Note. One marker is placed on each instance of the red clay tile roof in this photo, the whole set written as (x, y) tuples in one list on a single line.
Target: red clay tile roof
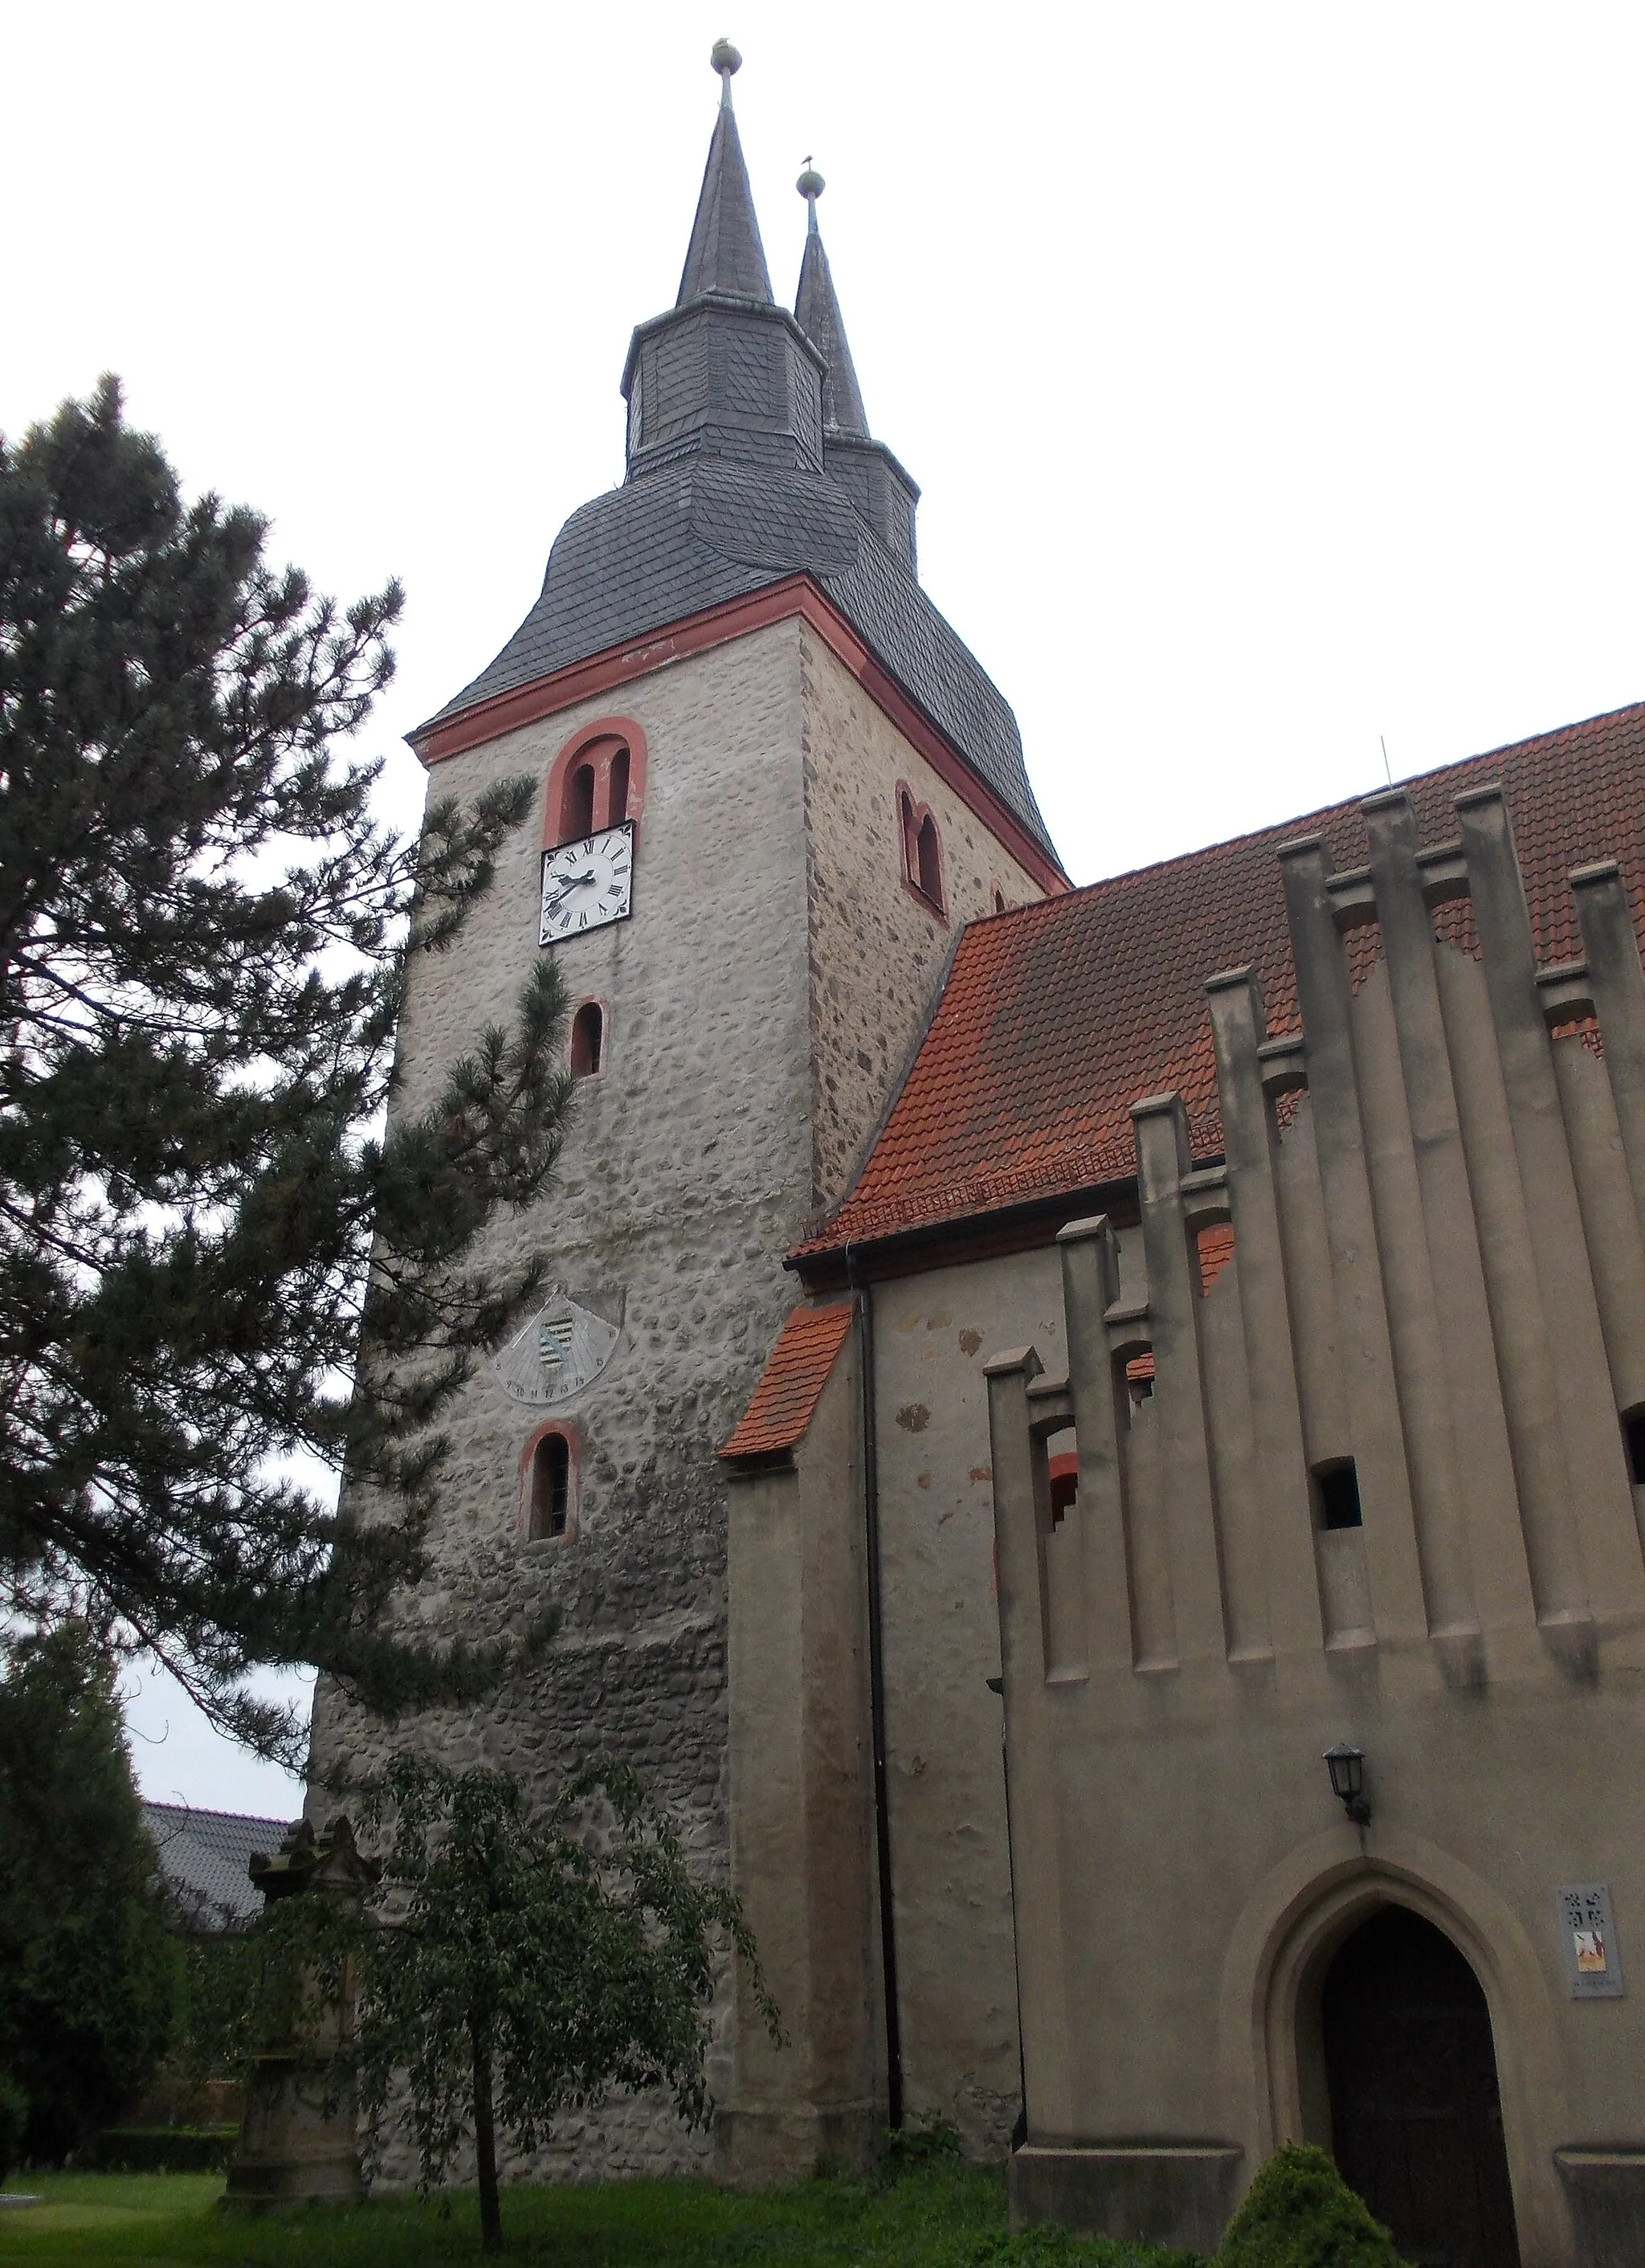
[(794, 1377), (1058, 1016), (1216, 1250)]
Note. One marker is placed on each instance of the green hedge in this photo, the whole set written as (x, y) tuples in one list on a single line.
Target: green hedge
[(1299, 2212), (162, 2149)]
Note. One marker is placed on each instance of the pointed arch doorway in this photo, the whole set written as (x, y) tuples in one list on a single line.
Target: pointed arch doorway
[(1411, 2069)]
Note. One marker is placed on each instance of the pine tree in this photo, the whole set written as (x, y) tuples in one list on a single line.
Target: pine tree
[(209, 1261), (89, 1970)]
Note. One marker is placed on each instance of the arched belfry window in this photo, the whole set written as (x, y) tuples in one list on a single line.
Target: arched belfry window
[(588, 1040), (922, 851), (576, 813), (597, 781), (550, 1480)]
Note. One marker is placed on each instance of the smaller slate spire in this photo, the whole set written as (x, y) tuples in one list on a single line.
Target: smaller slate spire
[(726, 255), (817, 311)]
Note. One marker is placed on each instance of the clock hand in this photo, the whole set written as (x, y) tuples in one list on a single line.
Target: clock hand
[(572, 882)]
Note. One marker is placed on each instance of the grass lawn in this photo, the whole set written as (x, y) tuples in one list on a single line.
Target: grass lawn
[(936, 2216)]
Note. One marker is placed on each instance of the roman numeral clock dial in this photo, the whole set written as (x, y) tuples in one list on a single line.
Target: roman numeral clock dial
[(587, 884)]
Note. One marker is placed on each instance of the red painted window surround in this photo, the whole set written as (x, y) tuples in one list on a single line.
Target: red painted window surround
[(556, 1429), (922, 852), (734, 618), (597, 779)]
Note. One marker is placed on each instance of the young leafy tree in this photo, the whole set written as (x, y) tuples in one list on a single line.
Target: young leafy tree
[(506, 1966), (523, 1966), (89, 1969), (210, 1257)]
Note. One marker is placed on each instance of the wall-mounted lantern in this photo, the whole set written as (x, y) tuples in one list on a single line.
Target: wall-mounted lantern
[(1347, 1768)]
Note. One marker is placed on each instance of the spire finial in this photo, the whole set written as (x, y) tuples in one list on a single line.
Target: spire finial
[(727, 61), (817, 311), (726, 256), (810, 185)]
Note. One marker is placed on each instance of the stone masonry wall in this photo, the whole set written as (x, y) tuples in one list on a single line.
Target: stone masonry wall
[(759, 1005), (876, 952), (685, 1177)]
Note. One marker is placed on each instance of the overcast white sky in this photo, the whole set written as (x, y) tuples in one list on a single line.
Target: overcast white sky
[(1272, 373)]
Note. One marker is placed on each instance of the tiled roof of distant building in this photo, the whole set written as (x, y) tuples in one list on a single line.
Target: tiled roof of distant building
[(1059, 1016), (204, 1856), (793, 1379)]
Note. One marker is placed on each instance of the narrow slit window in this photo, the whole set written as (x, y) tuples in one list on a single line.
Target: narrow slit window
[(588, 1040), (551, 1487), (1337, 1494), (999, 901), (928, 852), (617, 800), (1633, 1442), (577, 813)]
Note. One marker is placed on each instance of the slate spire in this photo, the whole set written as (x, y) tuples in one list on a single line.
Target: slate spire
[(725, 254), (817, 312)]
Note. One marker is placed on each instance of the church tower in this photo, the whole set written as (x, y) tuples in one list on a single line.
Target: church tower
[(773, 785)]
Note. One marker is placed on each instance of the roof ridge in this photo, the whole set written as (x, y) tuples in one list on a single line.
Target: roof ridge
[(205, 1811), (1286, 827), (1058, 1015)]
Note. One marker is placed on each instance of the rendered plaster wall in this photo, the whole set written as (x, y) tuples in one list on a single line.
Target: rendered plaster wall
[(950, 1870), (1183, 1873), (685, 1178), (876, 952), (802, 1805)]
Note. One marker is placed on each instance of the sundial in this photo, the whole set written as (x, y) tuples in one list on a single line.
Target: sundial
[(562, 1349)]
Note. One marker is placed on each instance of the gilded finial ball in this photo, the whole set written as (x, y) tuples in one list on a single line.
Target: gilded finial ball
[(811, 182), (725, 58)]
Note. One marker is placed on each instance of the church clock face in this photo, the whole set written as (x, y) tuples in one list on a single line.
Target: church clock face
[(588, 884)]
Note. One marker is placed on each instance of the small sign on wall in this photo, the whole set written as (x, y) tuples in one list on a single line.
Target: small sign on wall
[(1588, 1932)]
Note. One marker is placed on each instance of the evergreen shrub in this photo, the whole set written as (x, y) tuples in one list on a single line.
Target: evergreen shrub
[(89, 1969), (913, 2148), (13, 2121), (1299, 2212), (162, 2149)]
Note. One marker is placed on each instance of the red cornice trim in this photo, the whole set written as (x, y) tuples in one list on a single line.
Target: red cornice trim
[(584, 681)]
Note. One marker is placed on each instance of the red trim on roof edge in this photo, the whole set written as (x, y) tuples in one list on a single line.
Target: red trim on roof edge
[(582, 681)]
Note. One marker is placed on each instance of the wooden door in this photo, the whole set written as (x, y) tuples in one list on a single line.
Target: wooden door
[(1416, 2120)]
